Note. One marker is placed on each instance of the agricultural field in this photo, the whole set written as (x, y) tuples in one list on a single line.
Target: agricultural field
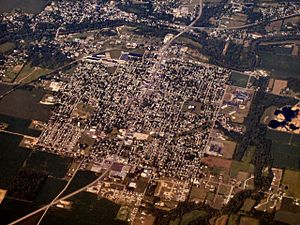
[(238, 166), (81, 179), (189, 217), (285, 149), (247, 158), (49, 190), (18, 125), (248, 205), (283, 137), (54, 165), (248, 221), (285, 156), (86, 209), (279, 62), (222, 220), (12, 157), (29, 73), (233, 219), (291, 179), (25, 103)]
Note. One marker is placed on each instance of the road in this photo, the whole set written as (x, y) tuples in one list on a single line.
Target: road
[(18, 134), (60, 193), (51, 73), (247, 25), (60, 199), (162, 52)]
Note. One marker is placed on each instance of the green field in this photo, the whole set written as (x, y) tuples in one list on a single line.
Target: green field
[(239, 79), (285, 149)]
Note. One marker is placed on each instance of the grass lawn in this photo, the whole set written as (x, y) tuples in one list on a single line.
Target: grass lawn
[(239, 79)]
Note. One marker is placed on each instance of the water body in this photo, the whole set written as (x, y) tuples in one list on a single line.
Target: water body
[(28, 6), (288, 114)]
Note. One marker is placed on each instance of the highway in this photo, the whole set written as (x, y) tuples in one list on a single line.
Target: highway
[(62, 191), (162, 52), (248, 25), (58, 200)]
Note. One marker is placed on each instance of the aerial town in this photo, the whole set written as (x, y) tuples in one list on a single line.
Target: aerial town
[(167, 112)]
